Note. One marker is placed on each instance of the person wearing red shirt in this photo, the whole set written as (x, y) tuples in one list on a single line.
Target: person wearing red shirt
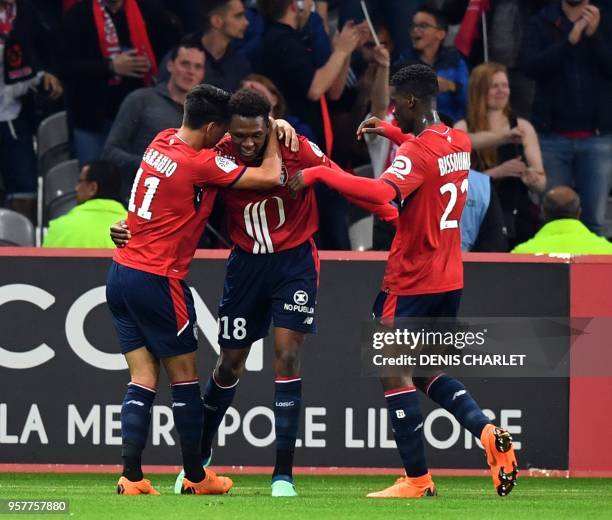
[(424, 276), (151, 306)]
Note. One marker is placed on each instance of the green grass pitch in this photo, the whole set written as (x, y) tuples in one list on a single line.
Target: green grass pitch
[(334, 497)]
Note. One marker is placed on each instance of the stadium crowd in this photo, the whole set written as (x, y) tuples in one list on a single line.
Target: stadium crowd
[(531, 85)]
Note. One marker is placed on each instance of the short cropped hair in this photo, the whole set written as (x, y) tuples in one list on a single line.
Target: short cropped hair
[(188, 42), (420, 81), (209, 9), (205, 104), (273, 9), (249, 103), (108, 178)]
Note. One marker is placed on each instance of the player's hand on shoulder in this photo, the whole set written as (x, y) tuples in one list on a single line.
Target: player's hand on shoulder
[(120, 233), (372, 125), (287, 135)]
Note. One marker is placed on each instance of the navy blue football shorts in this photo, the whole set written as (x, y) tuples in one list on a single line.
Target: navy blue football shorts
[(260, 288), (388, 307), (151, 311)]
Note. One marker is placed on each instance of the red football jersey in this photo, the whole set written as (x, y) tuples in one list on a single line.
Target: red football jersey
[(262, 222), (430, 175), (172, 197)]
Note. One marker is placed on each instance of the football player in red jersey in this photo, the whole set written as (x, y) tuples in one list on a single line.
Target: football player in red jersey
[(151, 306), (272, 276), (424, 274)]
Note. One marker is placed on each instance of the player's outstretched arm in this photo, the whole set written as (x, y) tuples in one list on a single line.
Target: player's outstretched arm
[(376, 191), (376, 126), (120, 233), (385, 212), (268, 175)]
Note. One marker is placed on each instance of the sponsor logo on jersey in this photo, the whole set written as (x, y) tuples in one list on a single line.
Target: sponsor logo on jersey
[(454, 162), (225, 164), (304, 309), (315, 149), (300, 297), (401, 167), (159, 162), (308, 320)]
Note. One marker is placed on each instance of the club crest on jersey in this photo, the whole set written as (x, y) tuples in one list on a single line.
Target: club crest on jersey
[(315, 149), (227, 165), (284, 176), (401, 167)]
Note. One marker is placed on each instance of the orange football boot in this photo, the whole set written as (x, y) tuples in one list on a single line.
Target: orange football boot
[(500, 457), (408, 487), (142, 487), (211, 485)]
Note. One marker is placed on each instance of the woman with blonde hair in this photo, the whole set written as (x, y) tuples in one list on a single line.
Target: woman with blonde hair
[(506, 148)]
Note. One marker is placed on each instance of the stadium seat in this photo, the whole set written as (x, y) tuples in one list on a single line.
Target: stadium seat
[(361, 234), (52, 142), (15, 229), (58, 194), (361, 228), (53, 148)]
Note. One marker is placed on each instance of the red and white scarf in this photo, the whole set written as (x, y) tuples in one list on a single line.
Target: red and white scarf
[(6, 21), (109, 41)]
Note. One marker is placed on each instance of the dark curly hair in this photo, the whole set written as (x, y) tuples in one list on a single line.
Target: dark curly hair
[(420, 81), (248, 103), (205, 104)]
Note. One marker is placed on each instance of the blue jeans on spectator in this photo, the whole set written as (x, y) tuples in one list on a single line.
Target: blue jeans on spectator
[(17, 158), (396, 13), (586, 165), (88, 145)]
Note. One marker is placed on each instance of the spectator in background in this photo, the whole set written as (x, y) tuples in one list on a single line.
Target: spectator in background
[(277, 101), (111, 47), (563, 231), (427, 33), (568, 52), (98, 207), (395, 13), (483, 229), (506, 148), (26, 63), (508, 21), (381, 150), (147, 111), (288, 62), (224, 22)]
